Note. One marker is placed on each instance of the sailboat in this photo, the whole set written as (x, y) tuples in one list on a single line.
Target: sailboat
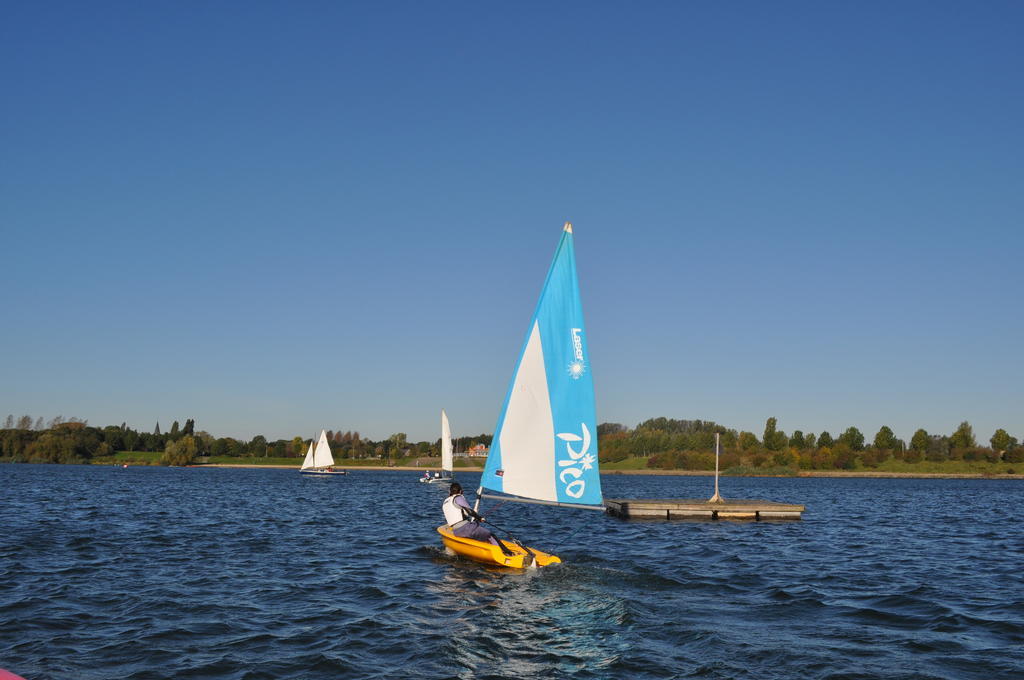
[(318, 460), (545, 444), (447, 461)]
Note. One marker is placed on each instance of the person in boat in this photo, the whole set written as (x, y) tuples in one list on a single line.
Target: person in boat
[(426, 474), (464, 520)]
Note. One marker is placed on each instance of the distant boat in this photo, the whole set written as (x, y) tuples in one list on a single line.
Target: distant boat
[(318, 460), (545, 444), (447, 461)]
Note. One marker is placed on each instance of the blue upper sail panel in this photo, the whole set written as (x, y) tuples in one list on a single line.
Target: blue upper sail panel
[(545, 443)]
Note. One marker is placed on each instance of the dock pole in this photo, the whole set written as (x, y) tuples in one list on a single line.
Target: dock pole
[(717, 498)]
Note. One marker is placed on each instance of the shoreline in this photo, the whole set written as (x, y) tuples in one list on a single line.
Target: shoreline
[(866, 474), (677, 473)]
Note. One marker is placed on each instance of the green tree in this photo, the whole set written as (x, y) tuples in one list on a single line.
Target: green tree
[(70, 442), (825, 439), (1014, 453), (609, 428), (845, 457), (853, 438), (774, 440), (204, 441), (298, 446), (810, 441), (113, 436), (182, 451), (963, 438), (50, 447), (175, 431), (748, 441), (1000, 440), (784, 458), (919, 442), (874, 456), (797, 441), (885, 439), (258, 445), (938, 448), (397, 444)]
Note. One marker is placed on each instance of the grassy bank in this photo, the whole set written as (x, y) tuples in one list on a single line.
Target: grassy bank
[(631, 465), (153, 458), (964, 467), (130, 457), (977, 468)]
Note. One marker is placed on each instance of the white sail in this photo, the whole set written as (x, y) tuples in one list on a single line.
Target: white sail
[(447, 463), (307, 462), (322, 454), (529, 430)]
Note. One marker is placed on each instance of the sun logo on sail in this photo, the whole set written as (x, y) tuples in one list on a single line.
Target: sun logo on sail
[(577, 462), (577, 367)]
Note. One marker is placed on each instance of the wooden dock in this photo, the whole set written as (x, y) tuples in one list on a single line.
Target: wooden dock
[(689, 508)]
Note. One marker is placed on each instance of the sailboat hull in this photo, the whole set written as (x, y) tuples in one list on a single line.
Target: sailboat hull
[(324, 473), (488, 553)]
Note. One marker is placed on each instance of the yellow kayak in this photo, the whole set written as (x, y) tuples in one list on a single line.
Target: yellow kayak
[(488, 553)]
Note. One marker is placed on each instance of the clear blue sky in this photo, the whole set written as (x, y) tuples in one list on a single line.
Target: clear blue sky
[(277, 217)]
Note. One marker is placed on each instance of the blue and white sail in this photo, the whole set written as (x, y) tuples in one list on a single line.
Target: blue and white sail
[(545, 443)]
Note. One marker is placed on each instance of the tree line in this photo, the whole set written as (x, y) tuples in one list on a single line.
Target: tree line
[(665, 443), (73, 440), (689, 444)]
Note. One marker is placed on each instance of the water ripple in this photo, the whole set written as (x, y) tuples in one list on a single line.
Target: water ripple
[(151, 573)]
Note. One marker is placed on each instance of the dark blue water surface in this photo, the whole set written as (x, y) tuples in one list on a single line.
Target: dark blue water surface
[(231, 573)]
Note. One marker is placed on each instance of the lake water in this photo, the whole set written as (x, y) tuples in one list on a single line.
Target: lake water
[(147, 573)]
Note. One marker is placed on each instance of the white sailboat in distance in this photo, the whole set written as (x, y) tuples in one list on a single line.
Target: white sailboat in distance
[(447, 459), (319, 460)]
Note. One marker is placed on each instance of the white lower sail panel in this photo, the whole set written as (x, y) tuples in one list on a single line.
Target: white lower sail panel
[(528, 433)]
